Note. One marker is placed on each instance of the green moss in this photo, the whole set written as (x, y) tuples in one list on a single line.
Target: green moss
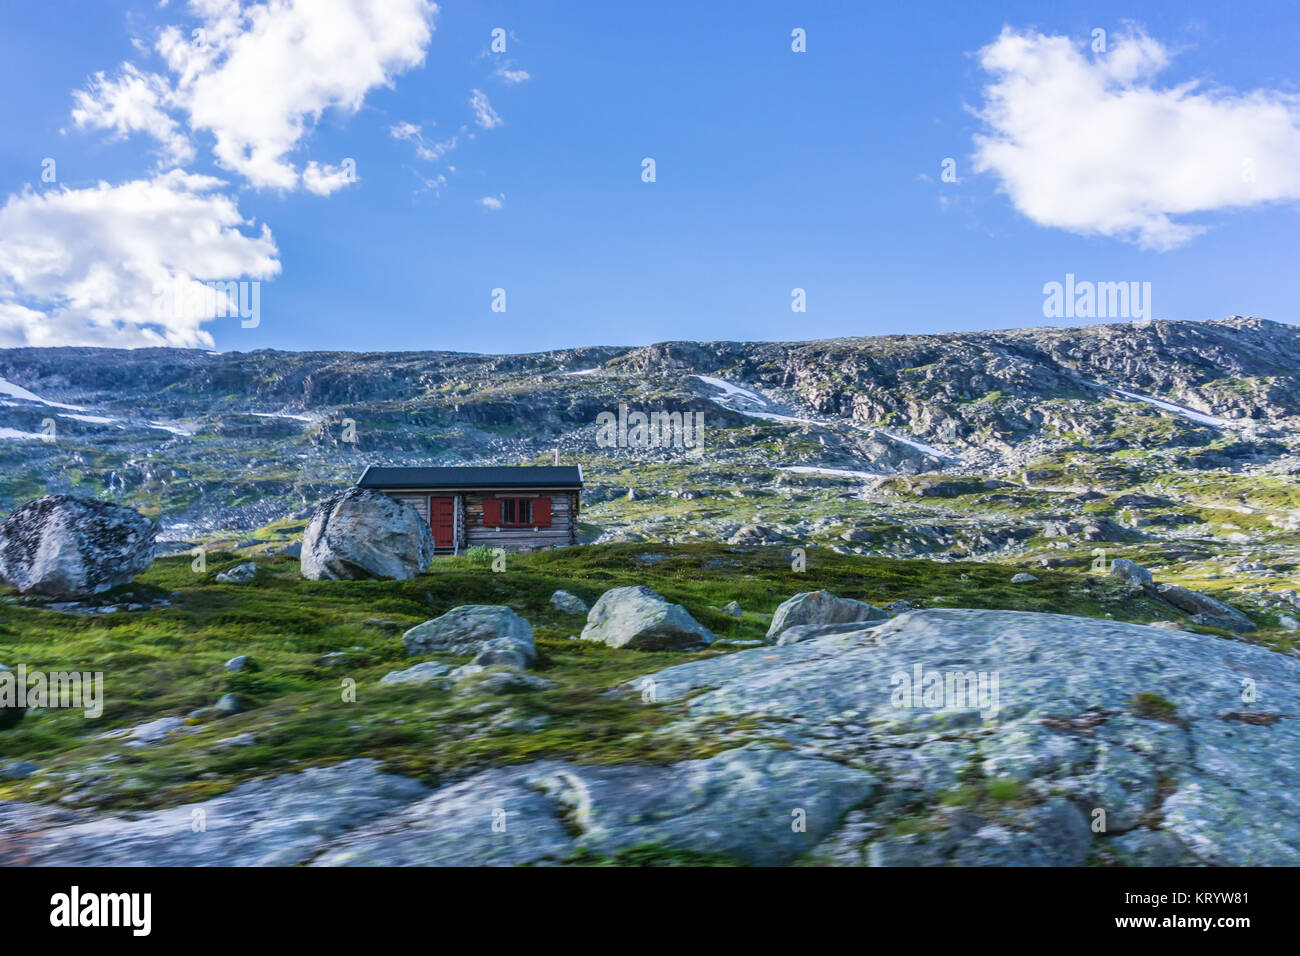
[(1003, 789), (1155, 707)]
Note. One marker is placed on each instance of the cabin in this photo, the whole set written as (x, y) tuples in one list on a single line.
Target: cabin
[(515, 507)]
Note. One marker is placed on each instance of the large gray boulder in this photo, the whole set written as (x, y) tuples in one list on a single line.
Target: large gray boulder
[(1130, 572), (62, 546), (425, 673), (295, 816), (360, 533), (239, 574), (750, 804), (495, 634), (640, 619), (568, 603), (806, 632), (1206, 610), (821, 607), (1204, 777)]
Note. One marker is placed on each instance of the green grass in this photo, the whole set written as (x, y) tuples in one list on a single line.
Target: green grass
[(169, 662)]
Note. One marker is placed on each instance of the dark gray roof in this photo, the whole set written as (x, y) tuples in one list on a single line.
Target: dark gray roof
[(491, 476)]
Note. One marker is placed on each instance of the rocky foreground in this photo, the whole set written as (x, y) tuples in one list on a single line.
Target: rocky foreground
[(1100, 742)]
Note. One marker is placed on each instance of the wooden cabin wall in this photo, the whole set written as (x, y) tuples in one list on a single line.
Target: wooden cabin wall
[(562, 532)]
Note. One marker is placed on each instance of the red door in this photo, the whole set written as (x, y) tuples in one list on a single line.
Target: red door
[(442, 520)]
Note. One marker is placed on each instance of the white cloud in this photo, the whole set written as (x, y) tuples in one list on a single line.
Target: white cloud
[(323, 180), (257, 76), (484, 114), (493, 202), (423, 148), (133, 102), (507, 75), (1088, 143), (87, 266)]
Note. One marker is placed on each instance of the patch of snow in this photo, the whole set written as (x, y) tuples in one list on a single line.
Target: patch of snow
[(92, 419), (584, 371), (296, 418), (788, 419), (920, 446), (733, 391), (174, 429), (13, 434), (17, 391), (833, 472), (1160, 403)]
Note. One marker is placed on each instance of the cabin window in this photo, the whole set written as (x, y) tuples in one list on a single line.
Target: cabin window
[(517, 511)]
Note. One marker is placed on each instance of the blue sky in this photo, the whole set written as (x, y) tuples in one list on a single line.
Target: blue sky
[(775, 169)]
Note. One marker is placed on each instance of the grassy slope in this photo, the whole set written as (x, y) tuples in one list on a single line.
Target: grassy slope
[(169, 662)]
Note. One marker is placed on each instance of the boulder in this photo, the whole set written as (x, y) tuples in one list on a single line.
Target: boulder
[(419, 674), (753, 534), (360, 533), (733, 608), (568, 603), (1206, 610), (821, 607), (738, 805), (1214, 782), (640, 619), (808, 632), (1022, 578), (294, 816), (500, 682), (504, 653), (1130, 572), (239, 574), (145, 734), (61, 546), (491, 631)]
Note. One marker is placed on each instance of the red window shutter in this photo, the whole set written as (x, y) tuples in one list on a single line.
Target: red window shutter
[(491, 511), (542, 512)]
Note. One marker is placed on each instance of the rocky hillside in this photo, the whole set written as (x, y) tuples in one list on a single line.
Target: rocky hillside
[(1022, 444)]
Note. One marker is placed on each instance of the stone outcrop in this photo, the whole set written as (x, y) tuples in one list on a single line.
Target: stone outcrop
[(62, 546), (1205, 609), (818, 608), (1142, 723), (493, 633), (360, 533), (639, 619)]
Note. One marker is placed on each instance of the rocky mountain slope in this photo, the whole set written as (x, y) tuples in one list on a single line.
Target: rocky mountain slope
[(991, 444)]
